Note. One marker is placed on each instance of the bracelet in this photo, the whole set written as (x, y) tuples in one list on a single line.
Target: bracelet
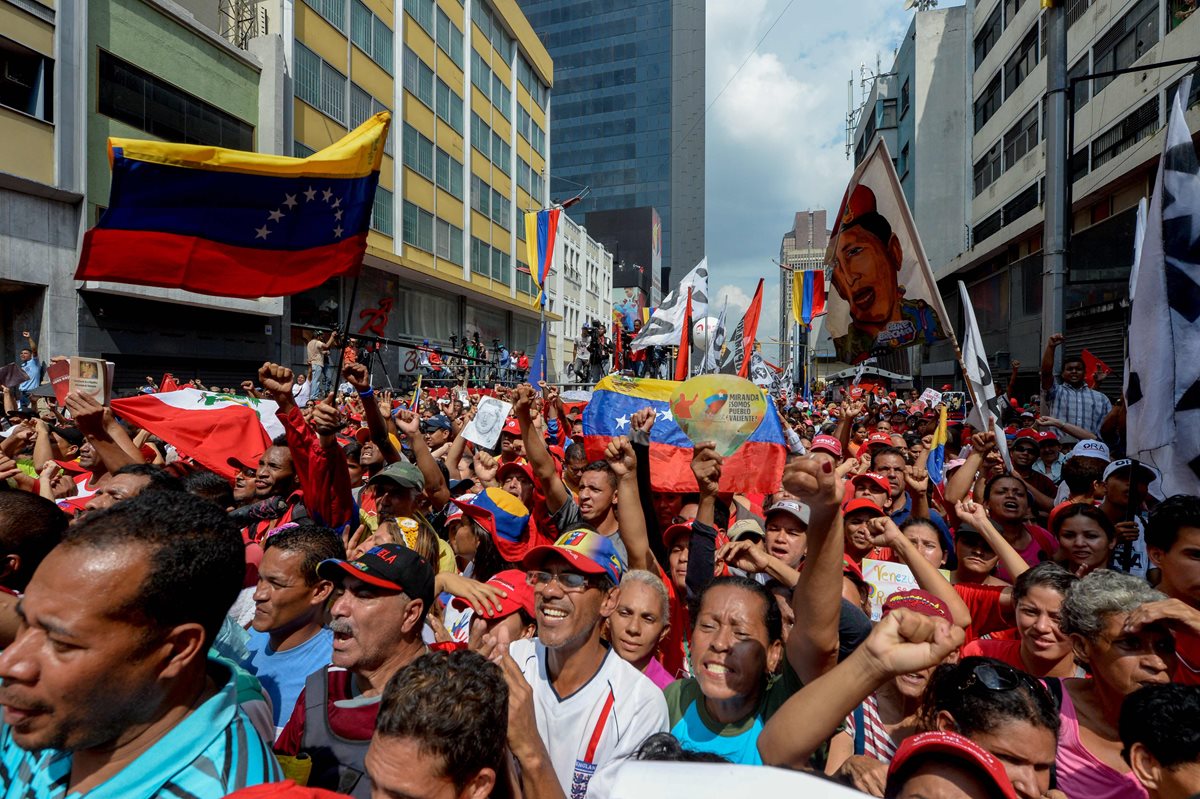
[(370, 392)]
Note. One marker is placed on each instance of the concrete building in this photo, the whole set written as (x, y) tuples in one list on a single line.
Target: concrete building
[(628, 112), (1119, 125), (579, 292), (802, 249)]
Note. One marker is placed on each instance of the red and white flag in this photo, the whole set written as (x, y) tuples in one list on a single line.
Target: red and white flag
[(207, 427)]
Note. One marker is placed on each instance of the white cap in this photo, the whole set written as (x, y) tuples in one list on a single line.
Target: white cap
[(1090, 448), (1148, 471)]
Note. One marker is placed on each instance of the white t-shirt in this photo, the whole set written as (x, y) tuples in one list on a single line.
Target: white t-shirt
[(301, 392), (591, 732)]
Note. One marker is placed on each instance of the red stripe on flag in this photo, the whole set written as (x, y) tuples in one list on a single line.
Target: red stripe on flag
[(168, 260), (756, 468)]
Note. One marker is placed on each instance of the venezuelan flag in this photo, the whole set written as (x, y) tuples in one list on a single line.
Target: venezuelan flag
[(232, 223), (756, 468), (808, 295), (540, 229), (936, 465)]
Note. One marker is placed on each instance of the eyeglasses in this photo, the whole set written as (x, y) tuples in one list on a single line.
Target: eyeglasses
[(1000, 677), (568, 581)]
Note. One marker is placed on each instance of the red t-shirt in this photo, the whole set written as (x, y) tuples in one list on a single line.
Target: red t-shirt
[(1007, 651), (984, 603), (1187, 656), (355, 723)]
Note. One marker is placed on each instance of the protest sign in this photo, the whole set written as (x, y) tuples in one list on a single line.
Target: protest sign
[(484, 428)]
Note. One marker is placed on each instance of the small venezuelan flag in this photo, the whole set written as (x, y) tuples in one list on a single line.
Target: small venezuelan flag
[(540, 229), (233, 223), (756, 467), (936, 465)]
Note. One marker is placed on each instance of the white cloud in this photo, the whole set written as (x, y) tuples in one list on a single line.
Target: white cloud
[(738, 301)]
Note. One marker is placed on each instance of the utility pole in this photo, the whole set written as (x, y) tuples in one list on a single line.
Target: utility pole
[(1058, 212)]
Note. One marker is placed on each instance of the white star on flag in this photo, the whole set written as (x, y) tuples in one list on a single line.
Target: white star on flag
[(325, 195), (337, 203), (275, 215), (337, 232), (262, 232), (310, 194), (337, 215), (622, 421), (290, 201), (665, 415)]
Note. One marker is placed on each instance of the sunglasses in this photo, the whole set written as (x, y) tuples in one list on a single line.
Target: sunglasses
[(568, 581), (1000, 677)]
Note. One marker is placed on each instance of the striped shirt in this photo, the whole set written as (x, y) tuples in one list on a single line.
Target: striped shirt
[(877, 741), (1083, 407), (211, 753)]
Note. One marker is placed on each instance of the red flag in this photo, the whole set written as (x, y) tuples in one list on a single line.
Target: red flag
[(1092, 365), (618, 356), (168, 383), (750, 329), (683, 361)]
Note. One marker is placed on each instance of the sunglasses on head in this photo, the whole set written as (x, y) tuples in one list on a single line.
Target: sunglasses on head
[(1000, 677)]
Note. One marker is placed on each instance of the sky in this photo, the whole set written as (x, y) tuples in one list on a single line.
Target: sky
[(775, 137)]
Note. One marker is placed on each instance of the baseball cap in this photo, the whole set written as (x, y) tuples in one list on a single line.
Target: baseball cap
[(746, 528), (920, 601), (1148, 472), (797, 510), (504, 517), (363, 434), (1048, 435), (453, 511), (71, 435), (879, 438), (675, 530), (507, 469), (438, 422), (871, 477), (511, 426), (1090, 448), (584, 549), (862, 503), (1029, 432), (402, 474), (511, 582), (853, 571), (391, 566), (945, 746), (824, 443)]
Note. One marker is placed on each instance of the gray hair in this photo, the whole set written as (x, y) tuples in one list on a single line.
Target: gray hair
[(1100, 594), (653, 582)]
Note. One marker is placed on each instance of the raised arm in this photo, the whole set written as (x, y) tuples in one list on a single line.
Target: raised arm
[(640, 426), (812, 646), (536, 451), (33, 350), (706, 466), (435, 484), (958, 487), (903, 642), (1078, 432), (96, 422), (631, 523), (359, 379), (975, 514), (1046, 372)]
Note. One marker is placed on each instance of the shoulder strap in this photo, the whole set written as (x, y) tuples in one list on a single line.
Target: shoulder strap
[(860, 731)]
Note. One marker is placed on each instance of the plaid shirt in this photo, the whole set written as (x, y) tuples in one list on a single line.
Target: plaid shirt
[(1083, 407)]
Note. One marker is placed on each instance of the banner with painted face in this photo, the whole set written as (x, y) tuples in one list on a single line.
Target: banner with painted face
[(885, 296)]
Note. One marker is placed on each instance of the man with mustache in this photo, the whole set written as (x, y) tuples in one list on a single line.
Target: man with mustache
[(376, 623)]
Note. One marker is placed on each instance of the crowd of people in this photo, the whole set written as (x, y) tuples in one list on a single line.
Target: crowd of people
[(379, 607)]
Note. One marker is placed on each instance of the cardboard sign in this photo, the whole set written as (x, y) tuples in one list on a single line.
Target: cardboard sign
[(885, 579), (484, 428), (723, 409), (928, 399), (92, 376)]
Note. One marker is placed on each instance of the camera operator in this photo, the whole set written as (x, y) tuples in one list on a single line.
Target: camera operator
[(598, 352)]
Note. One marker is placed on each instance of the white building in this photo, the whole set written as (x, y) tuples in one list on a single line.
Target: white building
[(580, 291)]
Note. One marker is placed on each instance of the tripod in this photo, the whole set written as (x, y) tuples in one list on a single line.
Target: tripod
[(372, 357)]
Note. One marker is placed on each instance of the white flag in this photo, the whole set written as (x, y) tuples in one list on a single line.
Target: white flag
[(1162, 389), (666, 323), (988, 406)]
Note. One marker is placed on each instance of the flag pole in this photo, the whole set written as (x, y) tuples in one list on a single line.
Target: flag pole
[(346, 329)]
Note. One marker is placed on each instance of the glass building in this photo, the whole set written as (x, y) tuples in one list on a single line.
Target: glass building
[(629, 111)]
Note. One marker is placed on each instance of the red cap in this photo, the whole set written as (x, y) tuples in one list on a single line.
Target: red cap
[(514, 466), (920, 601), (948, 745), (676, 530), (287, 789), (860, 504), (947, 387), (872, 477), (1029, 432), (853, 571), (879, 438), (513, 583), (1048, 435), (511, 426), (824, 443)]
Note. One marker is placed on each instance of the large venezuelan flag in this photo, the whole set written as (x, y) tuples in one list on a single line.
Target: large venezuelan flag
[(233, 223), (808, 295), (756, 468), (540, 229)]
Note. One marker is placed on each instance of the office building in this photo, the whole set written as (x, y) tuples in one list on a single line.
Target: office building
[(628, 112), (580, 291), (802, 249)]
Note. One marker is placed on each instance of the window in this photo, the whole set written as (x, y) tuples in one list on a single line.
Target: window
[(449, 173), (902, 165), (481, 74), (985, 40), (1079, 164), (501, 96), (422, 12), (1021, 63), (140, 99), (1011, 9), (333, 93), (1022, 204), (449, 106), (501, 153), (449, 38), (481, 257), (481, 196), (481, 135), (987, 169), (987, 103), (362, 107), (418, 152), (418, 77), (523, 172), (381, 211), (1126, 41), (371, 35), (301, 150), (418, 227), (887, 114), (332, 11), (500, 265), (1021, 138), (448, 241), (904, 98), (989, 226), (27, 80), (1083, 89), (1075, 9), (1137, 125), (381, 52)]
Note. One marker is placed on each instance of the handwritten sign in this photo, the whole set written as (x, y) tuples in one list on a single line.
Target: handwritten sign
[(885, 579)]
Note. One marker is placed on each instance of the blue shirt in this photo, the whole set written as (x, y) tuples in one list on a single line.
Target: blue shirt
[(211, 753), (33, 368), (282, 674)]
